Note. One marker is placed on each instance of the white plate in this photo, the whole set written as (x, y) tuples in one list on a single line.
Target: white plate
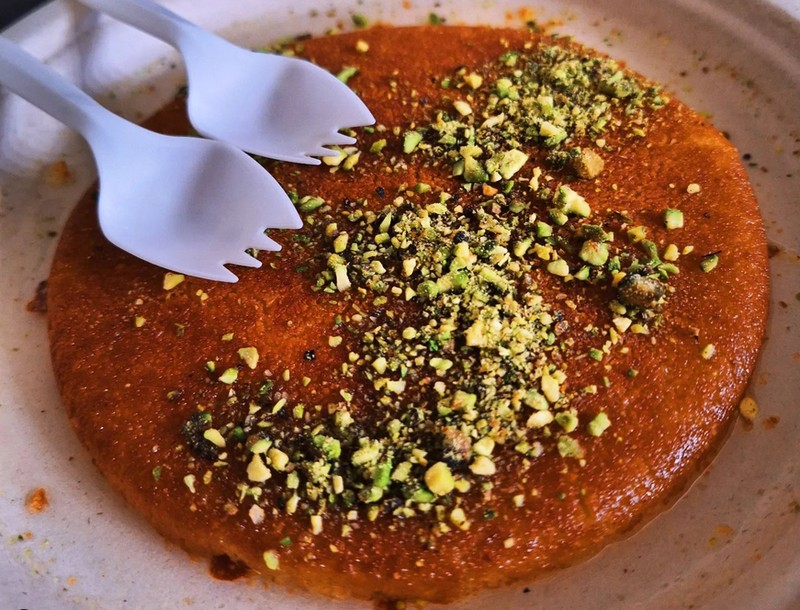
[(731, 542)]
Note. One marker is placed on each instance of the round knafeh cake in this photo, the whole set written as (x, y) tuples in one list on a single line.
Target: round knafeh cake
[(517, 321)]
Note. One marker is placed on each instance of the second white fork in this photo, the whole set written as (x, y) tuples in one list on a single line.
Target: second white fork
[(278, 107)]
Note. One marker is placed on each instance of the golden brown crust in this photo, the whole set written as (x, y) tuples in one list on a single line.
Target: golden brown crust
[(115, 378)]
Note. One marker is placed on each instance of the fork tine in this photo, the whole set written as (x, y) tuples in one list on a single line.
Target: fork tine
[(336, 138), (243, 259), (349, 108), (263, 242), (219, 274), (305, 159), (321, 151)]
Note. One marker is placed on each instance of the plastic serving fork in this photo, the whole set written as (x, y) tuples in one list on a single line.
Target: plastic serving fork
[(187, 204), (278, 107)]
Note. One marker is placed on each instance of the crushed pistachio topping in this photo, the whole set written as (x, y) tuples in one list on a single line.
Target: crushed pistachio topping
[(470, 331), (551, 98), (453, 339)]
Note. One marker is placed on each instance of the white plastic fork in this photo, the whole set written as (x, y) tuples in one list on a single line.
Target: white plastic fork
[(278, 107), (186, 204)]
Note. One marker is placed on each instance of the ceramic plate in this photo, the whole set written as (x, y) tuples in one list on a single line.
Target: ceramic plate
[(732, 541)]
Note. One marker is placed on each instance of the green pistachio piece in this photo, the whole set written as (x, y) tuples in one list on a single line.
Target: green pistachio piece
[(411, 140), (673, 219), (594, 252)]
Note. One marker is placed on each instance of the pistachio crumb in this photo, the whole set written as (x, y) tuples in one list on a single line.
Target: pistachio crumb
[(748, 408), (346, 73), (439, 479), (229, 376), (473, 80), (256, 514), (459, 518), (171, 280), (709, 262), (213, 436), (599, 424), (257, 471), (673, 219), (708, 351), (411, 140), (378, 145), (359, 20), (271, 560), (249, 355), (462, 107), (671, 253), (588, 164), (483, 466), (278, 459), (189, 480)]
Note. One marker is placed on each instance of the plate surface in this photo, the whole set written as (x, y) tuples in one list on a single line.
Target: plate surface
[(732, 541)]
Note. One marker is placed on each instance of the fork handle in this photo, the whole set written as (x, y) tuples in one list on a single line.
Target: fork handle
[(147, 16), (49, 91)]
